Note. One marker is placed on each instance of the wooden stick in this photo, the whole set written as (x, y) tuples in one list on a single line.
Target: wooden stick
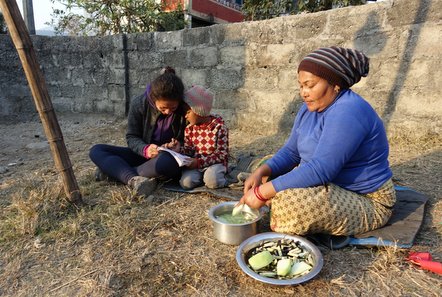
[(37, 84)]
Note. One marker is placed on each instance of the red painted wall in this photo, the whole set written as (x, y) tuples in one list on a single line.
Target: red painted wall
[(217, 10), (207, 7)]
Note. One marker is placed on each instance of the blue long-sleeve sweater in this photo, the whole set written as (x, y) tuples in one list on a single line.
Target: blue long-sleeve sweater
[(345, 144)]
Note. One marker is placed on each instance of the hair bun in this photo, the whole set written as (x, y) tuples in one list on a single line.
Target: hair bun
[(167, 69)]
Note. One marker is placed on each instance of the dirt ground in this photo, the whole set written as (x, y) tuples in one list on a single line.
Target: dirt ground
[(118, 246)]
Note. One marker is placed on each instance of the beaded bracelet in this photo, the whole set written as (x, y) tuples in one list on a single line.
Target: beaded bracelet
[(259, 195)]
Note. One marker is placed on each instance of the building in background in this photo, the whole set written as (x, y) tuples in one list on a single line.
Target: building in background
[(200, 13)]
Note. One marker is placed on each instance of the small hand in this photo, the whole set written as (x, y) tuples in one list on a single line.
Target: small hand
[(193, 164)]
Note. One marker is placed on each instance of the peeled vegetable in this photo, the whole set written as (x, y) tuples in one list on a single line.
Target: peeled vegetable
[(299, 268), (237, 209), (283, 267), (245, 210), (260, 260)]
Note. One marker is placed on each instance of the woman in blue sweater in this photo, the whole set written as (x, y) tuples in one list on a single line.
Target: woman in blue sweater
[(332, 176)]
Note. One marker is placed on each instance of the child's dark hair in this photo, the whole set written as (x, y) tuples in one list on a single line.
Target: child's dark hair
[(167, 86)]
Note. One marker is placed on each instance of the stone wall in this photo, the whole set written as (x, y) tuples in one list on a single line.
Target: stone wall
[(250, 66)]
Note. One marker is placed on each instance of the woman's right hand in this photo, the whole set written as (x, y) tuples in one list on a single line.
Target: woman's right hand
[(152, 151), (257, 178), (173, 145), (252, 181)]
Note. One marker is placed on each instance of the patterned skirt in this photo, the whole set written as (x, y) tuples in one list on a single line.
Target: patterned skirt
[(331, 210)]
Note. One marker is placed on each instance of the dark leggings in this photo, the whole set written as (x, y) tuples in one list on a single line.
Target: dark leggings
[(121, 163)]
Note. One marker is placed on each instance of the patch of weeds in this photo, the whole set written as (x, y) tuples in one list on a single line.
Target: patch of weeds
[(35, 209)]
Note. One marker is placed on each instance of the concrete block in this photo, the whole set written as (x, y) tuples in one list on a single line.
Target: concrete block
[(196, 37), (228, 116), (204, 57), (94, 92), (429, 41), (266, 32), (418, 104), (79, 77), (6, 44), (140, 41), (288, 79), (233, 99), (142, 60), (143, 77), (70, 91), (113, 42), (407, 12), (84, 107), (93, 59), (116, 92), (232, 55), (261, 78), (169, 40), (63, 104), (114, 59), (176, 59), (103, 106), (119, 109), (226, 79), (303, 27), (116, 76), (235, 34), (194, 77), (270, 55)]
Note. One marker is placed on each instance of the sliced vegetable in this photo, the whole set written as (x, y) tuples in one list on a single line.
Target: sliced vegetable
[(260, 260), (299, 268), (283, 267)]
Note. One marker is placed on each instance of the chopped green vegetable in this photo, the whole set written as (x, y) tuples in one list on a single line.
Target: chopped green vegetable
[(283, 267), (299, 268), (260, 260)]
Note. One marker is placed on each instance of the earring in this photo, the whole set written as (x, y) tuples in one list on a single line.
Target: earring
[(337, 89)]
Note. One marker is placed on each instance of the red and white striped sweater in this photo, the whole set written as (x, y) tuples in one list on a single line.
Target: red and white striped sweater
[(208, 143)]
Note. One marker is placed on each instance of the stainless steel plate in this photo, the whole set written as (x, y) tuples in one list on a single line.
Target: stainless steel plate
[(256, 240)]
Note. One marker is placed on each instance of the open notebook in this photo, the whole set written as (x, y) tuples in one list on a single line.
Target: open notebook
[(182, 160)]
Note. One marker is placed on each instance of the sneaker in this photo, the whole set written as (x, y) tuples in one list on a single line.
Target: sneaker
[(100, 175), (143, 186), (242, 176)]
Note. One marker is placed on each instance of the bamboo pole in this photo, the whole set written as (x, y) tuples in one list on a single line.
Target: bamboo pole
[(23, 44)]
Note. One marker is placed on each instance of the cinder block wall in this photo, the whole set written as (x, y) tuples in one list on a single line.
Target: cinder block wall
[(250, 66)]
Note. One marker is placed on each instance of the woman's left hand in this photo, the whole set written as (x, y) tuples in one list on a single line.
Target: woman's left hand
[(265, 191), (250, 199)]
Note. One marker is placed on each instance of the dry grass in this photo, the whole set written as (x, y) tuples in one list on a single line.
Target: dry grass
[(118, 246)]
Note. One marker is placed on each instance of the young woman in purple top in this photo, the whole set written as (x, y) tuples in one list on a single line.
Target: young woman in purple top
[(332, 176), (155, 118)]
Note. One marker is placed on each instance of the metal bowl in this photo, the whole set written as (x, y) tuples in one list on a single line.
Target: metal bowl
[(232, 234), (256, 240)]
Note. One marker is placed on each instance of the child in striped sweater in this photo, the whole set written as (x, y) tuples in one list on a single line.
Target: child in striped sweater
[(205, 140)]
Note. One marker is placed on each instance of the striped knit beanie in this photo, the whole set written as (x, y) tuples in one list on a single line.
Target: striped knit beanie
[(199, 99), (339, 66)]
